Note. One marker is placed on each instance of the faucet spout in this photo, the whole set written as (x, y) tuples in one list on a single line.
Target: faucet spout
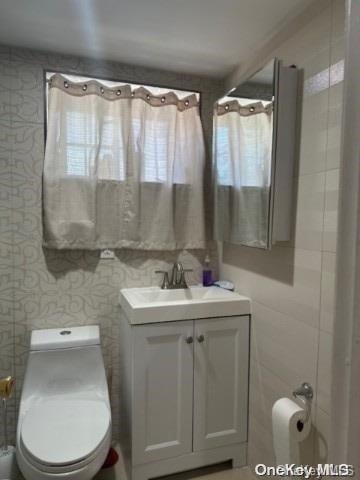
[(177, 279), (177, 274)]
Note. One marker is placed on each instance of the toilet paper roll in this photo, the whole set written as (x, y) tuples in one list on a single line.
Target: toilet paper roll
[(289, 429)]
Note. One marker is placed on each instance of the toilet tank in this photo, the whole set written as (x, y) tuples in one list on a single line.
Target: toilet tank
[(65, 363), (60, 338)]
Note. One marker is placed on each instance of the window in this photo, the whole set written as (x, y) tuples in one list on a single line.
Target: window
[(153, 149), (123, 166), (224, 174), (89, 145), (241, 146)]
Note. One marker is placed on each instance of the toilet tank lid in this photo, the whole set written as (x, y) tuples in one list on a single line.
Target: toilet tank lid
[(56, 338)]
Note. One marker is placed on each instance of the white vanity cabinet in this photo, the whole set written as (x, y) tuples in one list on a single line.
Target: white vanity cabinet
[(185, 387), (162, 391), (221, 370)]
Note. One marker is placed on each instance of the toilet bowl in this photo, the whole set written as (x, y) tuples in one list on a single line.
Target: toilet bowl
[(64, 426)]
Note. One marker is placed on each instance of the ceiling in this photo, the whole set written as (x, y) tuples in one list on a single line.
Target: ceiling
[(205, 37)]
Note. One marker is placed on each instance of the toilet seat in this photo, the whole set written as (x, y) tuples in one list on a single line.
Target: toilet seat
[(61, 435)]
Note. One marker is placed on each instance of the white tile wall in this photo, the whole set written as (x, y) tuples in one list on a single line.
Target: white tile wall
[(278, 344), (327, 292), (331, 208), (310, 210), (324, 371), (292, 287)]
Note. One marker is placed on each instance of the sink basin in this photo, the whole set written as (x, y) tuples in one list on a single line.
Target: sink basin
[(151, 304)]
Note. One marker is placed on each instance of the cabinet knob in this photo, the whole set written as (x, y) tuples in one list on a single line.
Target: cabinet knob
[(189, 339), (200, 338)]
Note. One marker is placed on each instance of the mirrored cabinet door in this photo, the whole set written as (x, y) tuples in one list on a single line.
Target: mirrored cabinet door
[(246, 138)]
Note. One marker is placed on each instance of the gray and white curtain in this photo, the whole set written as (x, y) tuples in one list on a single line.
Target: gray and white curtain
[(242, 148), (123, 168)]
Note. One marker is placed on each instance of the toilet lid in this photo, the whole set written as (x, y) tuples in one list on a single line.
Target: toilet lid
[(66, 432)]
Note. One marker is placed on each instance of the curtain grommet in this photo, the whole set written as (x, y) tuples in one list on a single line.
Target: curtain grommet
[(84, 88), (187, 103), (226, 107), (66, 84), (163, 99), (252, 109), (102, 90), (118, 93), (147, 97)]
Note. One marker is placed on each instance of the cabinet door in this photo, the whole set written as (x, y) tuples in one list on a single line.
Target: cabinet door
[(221, 381), (163, 360)]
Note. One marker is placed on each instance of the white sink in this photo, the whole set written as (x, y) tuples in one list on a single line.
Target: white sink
[(151, 304)]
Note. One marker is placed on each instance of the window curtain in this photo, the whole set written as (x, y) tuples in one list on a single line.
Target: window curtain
[(123, 168), (243, 147)]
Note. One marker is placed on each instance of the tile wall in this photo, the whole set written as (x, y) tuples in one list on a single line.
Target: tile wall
[(292, 286), (42, 288)]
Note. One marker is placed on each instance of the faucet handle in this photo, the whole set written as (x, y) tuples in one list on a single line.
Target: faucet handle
[(165, 283), (182, 282)]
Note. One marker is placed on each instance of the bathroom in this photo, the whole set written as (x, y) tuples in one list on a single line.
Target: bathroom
[(295, 294)]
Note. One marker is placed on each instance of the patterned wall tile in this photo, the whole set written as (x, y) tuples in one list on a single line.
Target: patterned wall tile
[(27, 92), (49, 288), (6, 339), (7, 356), (11, 422), (4, 52), (41, 58), (28, 153), (5, 82), (5, 159)]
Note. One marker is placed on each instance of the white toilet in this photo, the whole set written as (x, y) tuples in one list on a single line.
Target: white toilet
[(64, 426)]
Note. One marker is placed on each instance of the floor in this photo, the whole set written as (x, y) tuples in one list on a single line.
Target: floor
[(228, 474), (217, 472)]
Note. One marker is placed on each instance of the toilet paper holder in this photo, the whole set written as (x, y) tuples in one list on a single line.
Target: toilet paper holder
[(305, 390)]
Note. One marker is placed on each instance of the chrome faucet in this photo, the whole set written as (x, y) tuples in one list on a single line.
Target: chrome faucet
[(178, 276), (177, 280)]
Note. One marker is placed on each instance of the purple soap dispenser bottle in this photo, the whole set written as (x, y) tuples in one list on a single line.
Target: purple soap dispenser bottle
[(207, 273)]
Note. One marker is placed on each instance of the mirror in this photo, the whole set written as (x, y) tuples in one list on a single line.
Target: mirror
[(246, 147), (243, 144)]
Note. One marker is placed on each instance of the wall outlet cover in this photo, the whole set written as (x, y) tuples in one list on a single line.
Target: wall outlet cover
[(107, 254)]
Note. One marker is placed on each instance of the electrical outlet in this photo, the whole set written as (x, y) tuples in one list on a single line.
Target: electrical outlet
[(107, 254)]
